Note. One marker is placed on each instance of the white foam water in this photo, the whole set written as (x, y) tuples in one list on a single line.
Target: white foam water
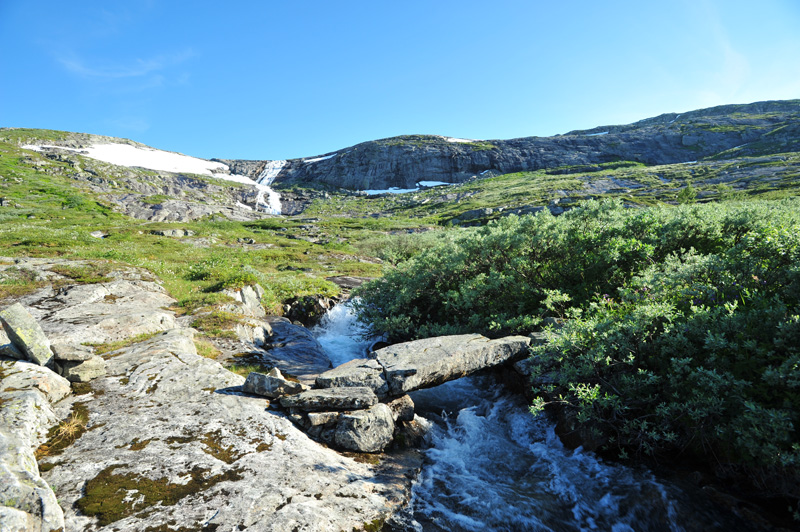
[(341, 335), (272, 203)]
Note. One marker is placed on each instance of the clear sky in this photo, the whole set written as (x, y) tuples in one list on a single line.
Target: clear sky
[(277, 79)]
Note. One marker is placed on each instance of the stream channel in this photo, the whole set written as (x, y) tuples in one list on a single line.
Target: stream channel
[(492, 466)]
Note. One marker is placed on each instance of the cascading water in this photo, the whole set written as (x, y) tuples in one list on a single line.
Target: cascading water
[(272, 204), (492, 466)]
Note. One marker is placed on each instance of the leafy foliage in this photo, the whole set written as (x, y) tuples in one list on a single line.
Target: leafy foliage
[(684, 329)]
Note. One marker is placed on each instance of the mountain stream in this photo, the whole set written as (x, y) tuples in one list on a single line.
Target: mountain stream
[(492, 466)]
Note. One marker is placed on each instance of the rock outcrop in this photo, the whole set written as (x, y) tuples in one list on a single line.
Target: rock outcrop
[(670, 138), (27, 394), (170, 438)]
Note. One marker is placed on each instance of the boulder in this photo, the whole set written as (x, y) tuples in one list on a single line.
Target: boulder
[(424, 363), (249, 299), (331, 399), (402, 408), (316, 419), (271, 384), (84, 371), (358, 372), (71, 352), (25, 333), (365, 431)]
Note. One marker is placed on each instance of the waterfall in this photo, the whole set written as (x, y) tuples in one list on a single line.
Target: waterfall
[(272, 204)]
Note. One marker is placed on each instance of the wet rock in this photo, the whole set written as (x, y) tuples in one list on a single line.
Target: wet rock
[(365, 431), (308, 310), (25, 333), (431, 361), (331, 399), (84, 371), (271, 384), (294, 350), (357, 372), (412, 434)]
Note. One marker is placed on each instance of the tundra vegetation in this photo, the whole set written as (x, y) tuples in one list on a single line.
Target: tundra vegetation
[(678, 285)]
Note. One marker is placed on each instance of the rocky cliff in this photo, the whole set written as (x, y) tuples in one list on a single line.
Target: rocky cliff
[(752, 129)]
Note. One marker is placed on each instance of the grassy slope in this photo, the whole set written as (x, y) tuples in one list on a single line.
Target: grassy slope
[(53, 214)]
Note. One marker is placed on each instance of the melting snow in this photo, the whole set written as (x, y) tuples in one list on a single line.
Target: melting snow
[(452, 139), (152, 159), (432, 183), (315, 159), (392, 190), (596, 134)]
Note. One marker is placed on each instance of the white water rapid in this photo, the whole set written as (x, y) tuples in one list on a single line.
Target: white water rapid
[(492, 466), (272, 204)]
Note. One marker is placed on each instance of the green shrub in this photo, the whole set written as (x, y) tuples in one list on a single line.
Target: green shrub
[(684, 329)]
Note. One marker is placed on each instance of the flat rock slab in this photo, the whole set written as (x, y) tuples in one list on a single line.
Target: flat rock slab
[(171, 440), (271, 384), (351, 398), (432, 361), (358, 372)]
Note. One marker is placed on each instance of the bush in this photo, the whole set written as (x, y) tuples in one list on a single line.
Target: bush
[(685, 322)]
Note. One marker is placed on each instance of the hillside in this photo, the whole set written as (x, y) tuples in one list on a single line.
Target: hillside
[(82, 227), (724, 132)]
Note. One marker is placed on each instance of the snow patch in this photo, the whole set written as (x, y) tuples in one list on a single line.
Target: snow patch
[(432, 183), (153, 159), (453, 139), (392, 190), (316, 159), (596, 134)]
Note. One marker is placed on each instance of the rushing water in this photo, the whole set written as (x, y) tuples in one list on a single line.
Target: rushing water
[(492, 466)]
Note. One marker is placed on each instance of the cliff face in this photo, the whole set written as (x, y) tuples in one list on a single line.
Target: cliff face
[(752, 129)]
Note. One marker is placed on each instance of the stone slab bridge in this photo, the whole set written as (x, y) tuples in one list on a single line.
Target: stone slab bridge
[(363, 405)]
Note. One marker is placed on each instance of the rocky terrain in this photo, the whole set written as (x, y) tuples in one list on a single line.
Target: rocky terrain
[(162, 438), (741, 130)]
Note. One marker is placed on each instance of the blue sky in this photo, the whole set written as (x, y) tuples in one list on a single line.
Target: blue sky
[(280, 79)]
